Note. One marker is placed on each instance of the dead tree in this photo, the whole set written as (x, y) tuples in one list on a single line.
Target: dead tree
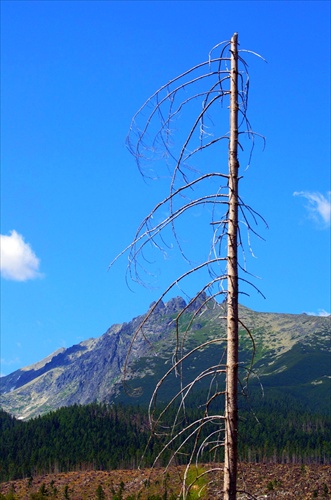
[(231, 396), (201, 92)]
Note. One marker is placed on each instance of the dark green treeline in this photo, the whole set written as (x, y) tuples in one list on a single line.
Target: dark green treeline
[(100, 436)]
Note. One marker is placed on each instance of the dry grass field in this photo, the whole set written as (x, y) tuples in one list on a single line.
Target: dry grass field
[(262, 481)]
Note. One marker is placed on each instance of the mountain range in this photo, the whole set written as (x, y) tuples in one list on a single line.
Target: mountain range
[(291, 359)]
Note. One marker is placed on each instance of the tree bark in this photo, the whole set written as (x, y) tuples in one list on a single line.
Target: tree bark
[(231, 390)]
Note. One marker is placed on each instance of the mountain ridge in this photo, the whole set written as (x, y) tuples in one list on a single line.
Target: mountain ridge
[(93, 370)]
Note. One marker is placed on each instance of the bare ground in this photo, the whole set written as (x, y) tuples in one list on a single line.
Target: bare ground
[(262, 481)]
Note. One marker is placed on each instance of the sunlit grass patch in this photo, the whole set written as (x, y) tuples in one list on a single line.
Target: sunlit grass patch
[(196, 482)]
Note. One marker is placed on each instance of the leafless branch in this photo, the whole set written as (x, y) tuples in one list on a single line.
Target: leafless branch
[(195, 99)]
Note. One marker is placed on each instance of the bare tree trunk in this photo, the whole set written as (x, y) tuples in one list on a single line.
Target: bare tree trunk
[(198, 92), (231, 391)]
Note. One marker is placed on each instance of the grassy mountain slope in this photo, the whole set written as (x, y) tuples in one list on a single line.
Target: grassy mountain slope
[(291, 356)]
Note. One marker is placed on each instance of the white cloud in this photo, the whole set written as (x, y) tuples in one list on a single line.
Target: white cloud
[(321, 312), (319, 206), (18, 261)]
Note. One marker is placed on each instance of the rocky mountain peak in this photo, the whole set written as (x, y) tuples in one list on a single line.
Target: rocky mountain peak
[(176, 305), (94, 369)]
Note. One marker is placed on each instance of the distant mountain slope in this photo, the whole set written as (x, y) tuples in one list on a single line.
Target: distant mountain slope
[(292, 353)]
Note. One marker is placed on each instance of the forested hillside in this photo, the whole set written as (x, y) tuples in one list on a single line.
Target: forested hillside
[(99, 436)]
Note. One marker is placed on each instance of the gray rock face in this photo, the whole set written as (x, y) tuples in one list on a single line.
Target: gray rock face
[(86, 372), (143, 350)]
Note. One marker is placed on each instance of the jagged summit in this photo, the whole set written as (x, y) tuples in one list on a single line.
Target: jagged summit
[(292, 351), (178, 304)]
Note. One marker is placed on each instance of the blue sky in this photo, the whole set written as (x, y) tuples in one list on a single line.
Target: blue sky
[(73, 75)]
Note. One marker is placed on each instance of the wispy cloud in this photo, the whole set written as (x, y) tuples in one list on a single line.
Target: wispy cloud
[(318, 206), (18, 260), (321, 312)]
